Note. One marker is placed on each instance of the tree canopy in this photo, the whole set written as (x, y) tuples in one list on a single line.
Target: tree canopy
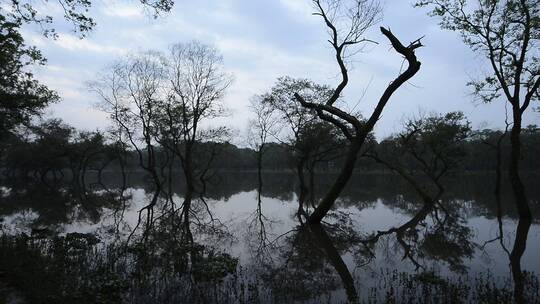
[(21, 95)]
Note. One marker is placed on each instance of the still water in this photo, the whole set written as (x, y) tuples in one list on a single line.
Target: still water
[(245, 244)]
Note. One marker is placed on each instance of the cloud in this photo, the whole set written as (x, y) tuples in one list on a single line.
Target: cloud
[(261, 41), (122, 10), (73, 43), (300, 9)]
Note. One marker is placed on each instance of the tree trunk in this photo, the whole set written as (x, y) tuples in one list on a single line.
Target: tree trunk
[(311, 171), (515, 155), (123, 171), (498, 169), (340, 183), (515, 258), (190, 189), (303, 189), (75, 181), (259, 165)]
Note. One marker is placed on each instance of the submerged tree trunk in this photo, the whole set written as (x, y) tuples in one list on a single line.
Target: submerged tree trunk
[(515, 155), (302, 185), (498, 168), (121, 162), (83, 173), (190, 189), (259, 165), (75, 179)]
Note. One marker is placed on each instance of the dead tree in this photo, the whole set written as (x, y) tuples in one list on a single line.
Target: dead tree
[(361, 16)]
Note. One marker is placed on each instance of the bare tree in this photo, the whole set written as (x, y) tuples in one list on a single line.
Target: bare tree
[(158, 100), (260, 129), (130, 92), (346, 26), (508, 34), (195, 88)]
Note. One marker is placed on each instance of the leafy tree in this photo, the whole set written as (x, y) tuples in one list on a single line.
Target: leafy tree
[(319, 143), (432, 146), (43, 152), (310, 139), (21, 96)]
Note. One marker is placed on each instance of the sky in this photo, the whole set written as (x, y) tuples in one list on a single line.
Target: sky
[(261, 40)]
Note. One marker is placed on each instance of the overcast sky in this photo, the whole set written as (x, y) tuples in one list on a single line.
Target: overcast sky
[(264, 39)]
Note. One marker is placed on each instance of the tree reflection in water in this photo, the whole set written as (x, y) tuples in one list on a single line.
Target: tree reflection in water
[(307, 264), (518, 249), (515, 259), (432, 233)]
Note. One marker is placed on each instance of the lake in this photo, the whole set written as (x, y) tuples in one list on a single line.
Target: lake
[(241, 242)]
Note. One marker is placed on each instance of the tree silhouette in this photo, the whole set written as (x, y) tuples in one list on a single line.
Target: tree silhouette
[(359, 16)]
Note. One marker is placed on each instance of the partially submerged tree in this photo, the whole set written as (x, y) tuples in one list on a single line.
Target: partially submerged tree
[(357, 17), (424, 153), (160, 103), (196, 85), (507, 33), (49, 151), (260, 129), (130, 92), (86, 148), (52, 148)]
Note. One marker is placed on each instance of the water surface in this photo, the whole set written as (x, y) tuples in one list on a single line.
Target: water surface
[(380, 243)]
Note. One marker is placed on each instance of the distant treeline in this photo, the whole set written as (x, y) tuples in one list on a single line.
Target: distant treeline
[(480, 154), (52, 149)]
